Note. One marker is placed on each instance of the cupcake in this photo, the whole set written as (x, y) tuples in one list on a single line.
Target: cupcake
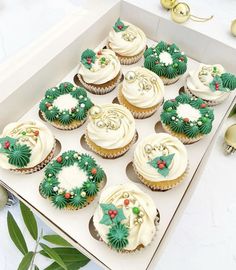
[(65, 107), (167, 61), (160, 161), (210, 83), (111, 130), (26, 146), (141, 92), (126, 218), (188, 118), (72, 180), (99, 71), (127, 41)]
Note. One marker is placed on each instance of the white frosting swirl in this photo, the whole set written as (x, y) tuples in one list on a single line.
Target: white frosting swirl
[(114, 128), (198, 83), (139, 234), (99, 74), (163, 144), (124, 47), (41, 145), (147, 90)]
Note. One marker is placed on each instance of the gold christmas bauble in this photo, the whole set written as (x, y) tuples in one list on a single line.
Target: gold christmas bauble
[(95, 112), (233, 27), (180, 13), (168, 4)]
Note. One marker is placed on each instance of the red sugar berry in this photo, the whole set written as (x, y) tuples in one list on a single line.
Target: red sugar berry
[(48, 105), (93, 171), (186, 119), (110, 212), (120, 27), (99, 52), (203, 105), (112, 215), (126, 202), (114, 212), (67, 195), (159, 161), (164, 163), (59, 159), (161, 166), (36, 132), (6, 144)]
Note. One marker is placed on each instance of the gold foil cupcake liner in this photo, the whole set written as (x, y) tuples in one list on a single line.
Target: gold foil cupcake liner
[(137, 113), (128, 60), (105, 88), (181, 136), (73, 125), (139, 247), (38, 167), (167, 81), (210, 103), (161, 185), (109, 153)]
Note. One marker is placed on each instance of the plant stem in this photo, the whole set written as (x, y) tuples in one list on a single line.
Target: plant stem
[(35, 249)]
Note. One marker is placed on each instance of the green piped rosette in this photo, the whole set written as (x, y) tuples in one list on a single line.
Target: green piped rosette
[(18, 154), (65, 118), (77, 197), (182, 127), (175, 64)]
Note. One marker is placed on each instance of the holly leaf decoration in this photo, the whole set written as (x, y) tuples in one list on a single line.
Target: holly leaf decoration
[(88, 57), (217, 84), (119, 26), (107, 219), (162, 164), (6, 143)]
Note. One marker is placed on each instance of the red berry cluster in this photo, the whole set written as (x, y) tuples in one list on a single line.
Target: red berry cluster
[(217, 86), (112, 213), (120, 27), (7, 144), (161, 164), (89, 60)]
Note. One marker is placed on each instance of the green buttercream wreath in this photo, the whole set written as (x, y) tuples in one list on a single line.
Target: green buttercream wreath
[(191, 129), (18, 154), (178, 64), (65, 117), (118, 233), (78, 196)]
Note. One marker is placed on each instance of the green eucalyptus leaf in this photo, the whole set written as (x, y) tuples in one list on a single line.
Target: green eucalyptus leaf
[(25, 263), (56, 240), (53, 255), (16, 234), (36, 267), (233, 111), (70, 266), (29, 220), (68, 255)]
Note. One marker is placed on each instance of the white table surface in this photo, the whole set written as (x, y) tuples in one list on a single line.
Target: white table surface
[(205, 237)]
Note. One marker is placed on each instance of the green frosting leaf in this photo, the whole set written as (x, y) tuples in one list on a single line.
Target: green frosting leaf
[(162, 164), (118, 236), (87, 58), (217, 84), (120, 26), (107, 219), (6, 143), (19, 155), (229, 81)]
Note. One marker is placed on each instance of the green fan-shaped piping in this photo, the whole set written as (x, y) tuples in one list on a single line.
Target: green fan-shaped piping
[(53, 168), (229, 81), (90, 188), (77, 200), (46, 187), (86, 161), (191, 132), (66, 87), (59, 201), (52, 93), (118, 236), (19, 155), (65, 117), (51, 115)]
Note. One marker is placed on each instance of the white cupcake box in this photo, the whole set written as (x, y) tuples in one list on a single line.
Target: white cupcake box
[(53, 59)]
